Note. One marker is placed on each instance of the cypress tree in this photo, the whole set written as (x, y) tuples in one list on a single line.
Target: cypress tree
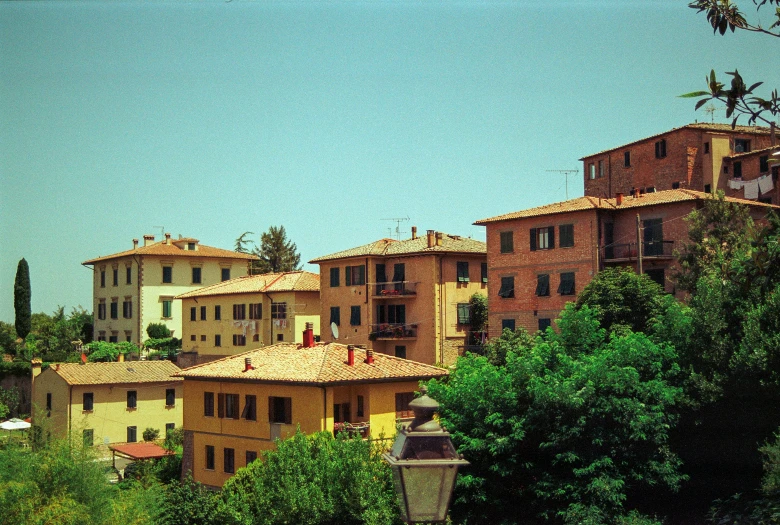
[(22, 294)]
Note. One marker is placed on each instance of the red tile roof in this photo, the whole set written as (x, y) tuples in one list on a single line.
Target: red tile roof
[(268, 282), (323, 364), (141, 450), (176, 249), (116, 373), (393, 248)]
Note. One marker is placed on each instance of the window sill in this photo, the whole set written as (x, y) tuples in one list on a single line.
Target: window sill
[(168, 407), (131, 409), (87, 411)]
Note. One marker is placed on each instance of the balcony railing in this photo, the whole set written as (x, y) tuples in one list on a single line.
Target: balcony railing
[(627, 251), (394, 289), (392, 331)]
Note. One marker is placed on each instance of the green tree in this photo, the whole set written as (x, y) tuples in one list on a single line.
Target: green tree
[(7, 338), (244, 244), (479, 317), (22, 296), (158, 331), (276, 253), (565, 430)]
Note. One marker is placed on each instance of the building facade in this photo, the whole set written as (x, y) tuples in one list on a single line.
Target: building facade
[(701, 157), (405, 298), (233, 316), (541, 258), (106, 403), (134, 288), (237, 406)]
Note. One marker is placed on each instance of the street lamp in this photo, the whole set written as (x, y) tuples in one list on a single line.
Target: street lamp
[(424, 464)]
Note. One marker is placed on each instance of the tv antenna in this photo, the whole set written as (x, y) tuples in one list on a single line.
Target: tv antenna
[(566, 173), (711, 109), (162, 231), (398, 221)]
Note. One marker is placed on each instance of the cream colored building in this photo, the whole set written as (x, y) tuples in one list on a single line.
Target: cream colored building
[(404, 298), (232, 316), (237, 406), (136, 287), (106, 403)]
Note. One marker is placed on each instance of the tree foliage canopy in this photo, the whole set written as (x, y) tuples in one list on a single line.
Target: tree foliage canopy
[(276, 253), (22, 297)]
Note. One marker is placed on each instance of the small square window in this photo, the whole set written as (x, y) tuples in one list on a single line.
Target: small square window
[(239, 340), (280, 410), (193, 337), (507, 287), (507, 324), (543, 285), (707, 188), (251, 456), (278, 310), (203, 338), (567, 284), (507, 242), (400, 351), (225, 274), (741, 146), (544, 324)]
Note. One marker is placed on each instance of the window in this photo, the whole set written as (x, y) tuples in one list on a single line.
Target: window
[(657, 275), (601, 168), (209, 457), (396, 313), (483, 272), (251, 456), (102, 278), (217, 313), (250, 408), (114, 308), (335, 315), (239, 340), (87, 401), (354, 316), (132, 398), (217, 340), (660, 149), (567, 284), (400, 351), (544, 323), (280, 337), (132, 434), (196, 275), (193, 314), (225, 274), (256, 338), (202, 313), (334, 277), (256, 311), (170, 397), (102, 309), (169, 427), (129, 275), (737, 170), (116, 277), (87, 435), (354, 275), (763, 163), (191, 246), (507, 242), (591, 171), (566, 233), (507, 324), (707, 188), (231, 406), (208, 404), (48, 401), (464, 313), (360, 406), (193, 337), (399, 272), (463, 272), (627, 159), (741, 145), (127, 309), (167, 274), (706, 148), (278, 310), (402, 400), (239, 312), (114, 338), (542, 238), (675, 185), (507, 287), (230, 460), (167, 306), (280, 410), (543, 285)]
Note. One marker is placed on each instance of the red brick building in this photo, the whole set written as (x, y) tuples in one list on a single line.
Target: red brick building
[(541, 258), (700, 157)]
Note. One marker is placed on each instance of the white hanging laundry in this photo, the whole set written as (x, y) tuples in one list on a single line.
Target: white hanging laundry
[(736, 184), (751, 190), (765, 183)]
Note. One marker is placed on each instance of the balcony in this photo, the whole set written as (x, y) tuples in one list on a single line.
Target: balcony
[(627, 252), (389, 331), (394, 290)]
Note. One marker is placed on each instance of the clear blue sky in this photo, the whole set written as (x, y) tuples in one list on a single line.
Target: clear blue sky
[(214, 118)]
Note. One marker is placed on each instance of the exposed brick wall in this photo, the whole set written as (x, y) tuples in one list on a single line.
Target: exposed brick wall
[(188, 453)]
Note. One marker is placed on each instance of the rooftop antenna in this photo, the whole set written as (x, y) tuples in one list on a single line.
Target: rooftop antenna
[(711, 109), (398, 221), (162, 231), (566, 173)]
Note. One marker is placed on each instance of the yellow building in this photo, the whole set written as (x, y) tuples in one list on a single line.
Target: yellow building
[(404, 298), (107, 402), (225, 318), (136, 287), (237, 406)]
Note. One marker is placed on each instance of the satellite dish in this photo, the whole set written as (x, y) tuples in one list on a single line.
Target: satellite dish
[(334, 330)]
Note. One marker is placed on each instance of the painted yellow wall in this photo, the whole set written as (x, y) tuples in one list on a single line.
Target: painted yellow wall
[(120, 327), (56, 420)]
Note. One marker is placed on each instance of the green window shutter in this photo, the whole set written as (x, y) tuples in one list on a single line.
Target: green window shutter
[(533, 239)]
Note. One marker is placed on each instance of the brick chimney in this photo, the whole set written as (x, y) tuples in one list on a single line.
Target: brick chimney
[(248, 364), (148, 239), (414, 232), (308, 336), (619, 198), (439, 236), (168, 239), (135, 244), (351, 355), (431, 238), (369, 357)]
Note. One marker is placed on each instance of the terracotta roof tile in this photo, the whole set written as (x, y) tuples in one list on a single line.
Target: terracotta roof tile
[(116, 373), (299, 281), (321, 364), (141, 450), (391, 247), (173, 250)]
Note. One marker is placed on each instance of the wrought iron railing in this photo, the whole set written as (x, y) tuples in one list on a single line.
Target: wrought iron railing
[(629, 251), (392, 331), (394, 289)]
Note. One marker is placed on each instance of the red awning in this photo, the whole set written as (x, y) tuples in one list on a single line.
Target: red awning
[(140, 451)]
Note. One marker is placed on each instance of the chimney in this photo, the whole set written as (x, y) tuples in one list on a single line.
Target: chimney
[(619, 198), (369, 357), (431, 238), (135, 244), (148, 239), (351, 355), (36, 368), (439, 236), (308, 336), (168, 239), (248, 364), (120, 358), (414, 232)]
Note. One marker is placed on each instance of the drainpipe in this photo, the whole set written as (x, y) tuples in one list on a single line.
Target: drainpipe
[(94, 327), (140, 302), (441, 311), (324, 408)]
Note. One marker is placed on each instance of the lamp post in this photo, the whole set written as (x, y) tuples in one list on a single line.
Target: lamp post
[(424, 464)]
